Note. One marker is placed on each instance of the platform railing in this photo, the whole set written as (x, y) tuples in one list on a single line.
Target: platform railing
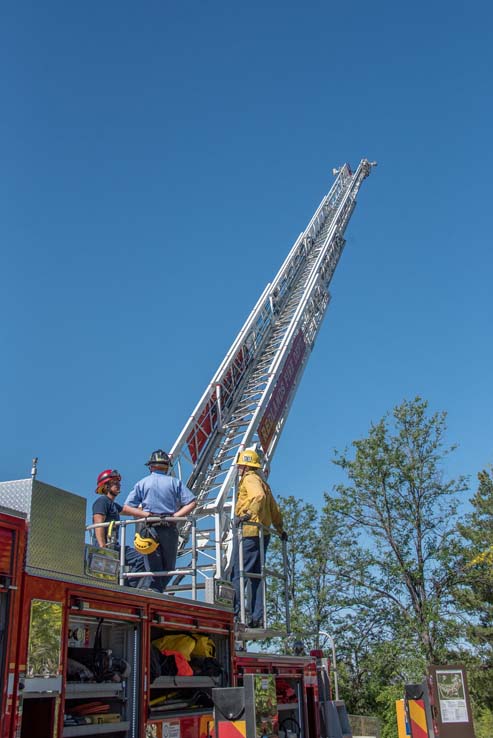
[(202, 559), (120, 544), (264, 574)]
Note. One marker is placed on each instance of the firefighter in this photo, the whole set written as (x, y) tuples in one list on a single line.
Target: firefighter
[(255, 503), (107, 510), (158, 494)]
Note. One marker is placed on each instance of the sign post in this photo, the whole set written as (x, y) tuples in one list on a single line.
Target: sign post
[(452, 706)]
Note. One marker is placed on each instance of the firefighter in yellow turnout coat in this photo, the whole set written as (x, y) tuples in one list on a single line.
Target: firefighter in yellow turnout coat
[(256, 504)]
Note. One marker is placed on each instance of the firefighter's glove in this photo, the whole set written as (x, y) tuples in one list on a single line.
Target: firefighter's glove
[(284, 536), (243, 518)]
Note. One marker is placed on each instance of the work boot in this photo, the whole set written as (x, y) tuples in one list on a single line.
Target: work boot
[(256, 624)]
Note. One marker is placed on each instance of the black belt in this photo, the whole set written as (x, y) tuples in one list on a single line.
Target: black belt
[(161, 523)]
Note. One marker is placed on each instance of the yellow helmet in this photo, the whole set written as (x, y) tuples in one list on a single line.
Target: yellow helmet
[(248, 457), (146, 540)]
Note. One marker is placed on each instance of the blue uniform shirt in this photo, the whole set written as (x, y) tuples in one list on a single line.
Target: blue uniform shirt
[(160, 494)]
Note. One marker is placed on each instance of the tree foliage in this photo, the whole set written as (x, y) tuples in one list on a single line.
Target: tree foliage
[(475, 591), (401, 512), (307, 561), (377, 566), (44, 638)]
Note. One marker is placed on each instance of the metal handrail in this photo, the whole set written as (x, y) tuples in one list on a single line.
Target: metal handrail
[(120, 544), (193, 570)]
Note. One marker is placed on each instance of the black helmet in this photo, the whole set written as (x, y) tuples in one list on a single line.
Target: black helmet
[(158, 458)]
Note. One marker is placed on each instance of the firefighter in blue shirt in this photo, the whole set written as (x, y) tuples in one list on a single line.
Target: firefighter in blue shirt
[(106, 510), (158, 494)]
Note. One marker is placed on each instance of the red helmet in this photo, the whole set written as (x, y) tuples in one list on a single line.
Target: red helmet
[(106, 476)]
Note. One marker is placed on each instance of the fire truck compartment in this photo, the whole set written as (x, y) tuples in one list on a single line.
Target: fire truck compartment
[(102, 677), (203, 654)]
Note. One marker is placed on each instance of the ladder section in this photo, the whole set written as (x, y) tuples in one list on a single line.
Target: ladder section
[(232, 431), (248, 400)]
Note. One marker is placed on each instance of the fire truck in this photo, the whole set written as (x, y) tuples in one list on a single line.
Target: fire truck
[(84, 654)]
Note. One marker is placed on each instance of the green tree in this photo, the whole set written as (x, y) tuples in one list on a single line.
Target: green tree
[(475, 593), (44, 638), (483, 724), (376, 567), (386, 701), (300, 523), (398, 514)]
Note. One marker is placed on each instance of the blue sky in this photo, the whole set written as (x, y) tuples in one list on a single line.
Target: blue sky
[(159, 159)]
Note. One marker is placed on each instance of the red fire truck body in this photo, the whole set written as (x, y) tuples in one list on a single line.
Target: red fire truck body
[(12, 548), (49, 625), (297, 685)]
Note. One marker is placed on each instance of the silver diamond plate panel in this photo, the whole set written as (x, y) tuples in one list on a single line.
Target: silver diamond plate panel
[(56, 530), (17, 495)]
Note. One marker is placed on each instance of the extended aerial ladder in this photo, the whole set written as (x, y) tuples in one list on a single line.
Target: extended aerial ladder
[(247, 402)]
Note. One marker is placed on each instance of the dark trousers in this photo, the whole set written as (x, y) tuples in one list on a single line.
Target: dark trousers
[(135, 562), (251, 564), (164, 557)]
